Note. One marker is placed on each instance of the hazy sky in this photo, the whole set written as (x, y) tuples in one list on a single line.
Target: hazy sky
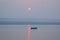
[(40, 9)]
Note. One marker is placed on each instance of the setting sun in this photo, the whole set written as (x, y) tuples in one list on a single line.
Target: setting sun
[(29, 9)]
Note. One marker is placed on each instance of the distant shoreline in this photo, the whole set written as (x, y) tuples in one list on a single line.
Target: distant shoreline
[(16, 21)]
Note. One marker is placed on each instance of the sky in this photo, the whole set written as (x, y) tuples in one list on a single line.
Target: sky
[(49, 9)]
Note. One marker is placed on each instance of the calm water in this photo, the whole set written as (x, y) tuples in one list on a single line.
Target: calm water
[(19, 32)]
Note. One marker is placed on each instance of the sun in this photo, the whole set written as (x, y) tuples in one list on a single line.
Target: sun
[(29, 9)]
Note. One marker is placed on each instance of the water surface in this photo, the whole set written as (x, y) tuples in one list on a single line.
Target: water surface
[(19, 32)]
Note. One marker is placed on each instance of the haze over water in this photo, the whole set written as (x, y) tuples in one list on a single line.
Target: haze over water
[(45, 9), (19, 32)]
